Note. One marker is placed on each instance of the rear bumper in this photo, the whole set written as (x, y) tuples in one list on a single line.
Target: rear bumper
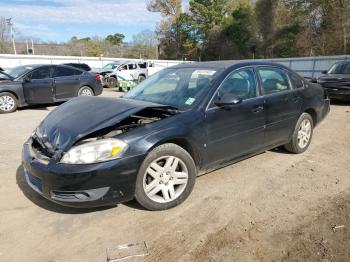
[(92, 185), (326, 108)]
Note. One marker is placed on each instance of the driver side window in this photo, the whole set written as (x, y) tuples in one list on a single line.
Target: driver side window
[(41, 73), (240, 83)]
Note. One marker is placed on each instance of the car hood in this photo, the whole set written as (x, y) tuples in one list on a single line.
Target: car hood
[(83, 116)]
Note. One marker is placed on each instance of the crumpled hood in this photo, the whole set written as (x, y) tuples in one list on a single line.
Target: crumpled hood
[(82, 116)]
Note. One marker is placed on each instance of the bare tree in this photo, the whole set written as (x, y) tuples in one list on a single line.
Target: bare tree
[(4, 35)]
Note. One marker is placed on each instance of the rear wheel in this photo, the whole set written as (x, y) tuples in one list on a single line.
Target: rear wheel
[(112, 82), (85, 91), (141, 78), (166, 178), (8, 103), (302, 135)]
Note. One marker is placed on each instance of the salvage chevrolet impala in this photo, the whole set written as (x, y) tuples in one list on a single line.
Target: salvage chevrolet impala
[(182, 122)]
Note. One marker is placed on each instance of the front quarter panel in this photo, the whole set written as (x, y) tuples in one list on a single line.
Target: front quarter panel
[(184, 127), (16, 88)]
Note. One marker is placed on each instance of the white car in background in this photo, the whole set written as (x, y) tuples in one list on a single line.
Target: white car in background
[(129, 69)]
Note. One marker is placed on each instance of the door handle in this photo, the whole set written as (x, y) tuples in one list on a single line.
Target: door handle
[(258, 109)]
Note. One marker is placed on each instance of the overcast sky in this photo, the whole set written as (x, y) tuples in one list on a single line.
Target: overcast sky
[(59, 20)]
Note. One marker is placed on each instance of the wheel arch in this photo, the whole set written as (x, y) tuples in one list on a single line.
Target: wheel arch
[(312, 112), (86, 85), (184, 144), (11, 92)]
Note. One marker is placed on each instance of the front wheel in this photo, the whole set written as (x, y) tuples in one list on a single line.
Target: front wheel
[(85, 91), (166, 178), (8, 103), (302, 135)]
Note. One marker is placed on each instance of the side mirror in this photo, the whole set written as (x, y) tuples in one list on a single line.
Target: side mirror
[(27, 79), (228, 100), (324, 72)]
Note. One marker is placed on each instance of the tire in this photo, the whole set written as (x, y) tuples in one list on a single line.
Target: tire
[(302, 135), (85, 91), (141, 78), (8, 103), (159, 184), (112, 82)]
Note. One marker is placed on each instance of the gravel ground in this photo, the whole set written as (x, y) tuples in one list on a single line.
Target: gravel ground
[(272, 207)]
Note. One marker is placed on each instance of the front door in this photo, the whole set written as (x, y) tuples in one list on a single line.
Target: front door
[(38, 86), (66, 82), (238, 130), (283, 105)]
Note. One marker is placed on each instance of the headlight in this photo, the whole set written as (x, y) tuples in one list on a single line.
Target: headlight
[(94, 152)]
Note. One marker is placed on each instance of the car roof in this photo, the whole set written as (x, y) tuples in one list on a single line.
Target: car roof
[(34, 66), (342, 62), (227, 64)]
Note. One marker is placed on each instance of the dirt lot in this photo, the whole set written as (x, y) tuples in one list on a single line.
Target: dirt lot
[(272, 207)]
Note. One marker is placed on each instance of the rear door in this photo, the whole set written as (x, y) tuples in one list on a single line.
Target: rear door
[(133, 70), (283, 104), (238, 130), (66, 82), (38, 86)]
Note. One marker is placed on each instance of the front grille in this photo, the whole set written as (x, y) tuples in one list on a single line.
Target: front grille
[(34, 182)]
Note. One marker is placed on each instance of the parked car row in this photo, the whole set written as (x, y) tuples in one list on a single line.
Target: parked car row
[(182, 122), (44, 84)]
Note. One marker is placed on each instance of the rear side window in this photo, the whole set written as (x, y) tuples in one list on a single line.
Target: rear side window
[(296, 81), (273, 80), (41, 73), (132, 66), (143, 65), (63, 71)]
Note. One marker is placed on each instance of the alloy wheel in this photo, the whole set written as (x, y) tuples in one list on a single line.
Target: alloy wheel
[(165, 179), (304, 133), (7, 103), (85, 92)]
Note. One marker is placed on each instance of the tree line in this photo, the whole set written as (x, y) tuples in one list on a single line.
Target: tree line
[(218, 30), (243, 29)]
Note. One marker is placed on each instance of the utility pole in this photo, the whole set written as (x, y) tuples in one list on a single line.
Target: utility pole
[(33, 53), (10, 24)]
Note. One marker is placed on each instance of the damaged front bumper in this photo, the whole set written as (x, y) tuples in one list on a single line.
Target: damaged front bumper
[(88, 185)]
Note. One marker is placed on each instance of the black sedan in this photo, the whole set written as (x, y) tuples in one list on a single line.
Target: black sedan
[(182, 122), (336, 81), (44, 84)]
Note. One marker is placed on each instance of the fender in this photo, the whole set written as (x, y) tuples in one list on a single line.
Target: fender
[(15, 88)]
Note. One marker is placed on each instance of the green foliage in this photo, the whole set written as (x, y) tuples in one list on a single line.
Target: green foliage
[(238, 29), (115, 39)]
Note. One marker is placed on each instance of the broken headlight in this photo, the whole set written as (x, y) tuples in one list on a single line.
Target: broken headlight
[(95, 152)]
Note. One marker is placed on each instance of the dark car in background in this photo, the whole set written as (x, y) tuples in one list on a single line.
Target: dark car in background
[(336, 81), (81, 66), (181, 122), (44, 84)]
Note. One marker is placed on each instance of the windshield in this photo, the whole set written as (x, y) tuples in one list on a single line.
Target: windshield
[(343, 68), (111, 66), (179, 88), (3, 76), (18, 71)]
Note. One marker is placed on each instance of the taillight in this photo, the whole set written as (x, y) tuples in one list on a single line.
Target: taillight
[(98, 78)]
